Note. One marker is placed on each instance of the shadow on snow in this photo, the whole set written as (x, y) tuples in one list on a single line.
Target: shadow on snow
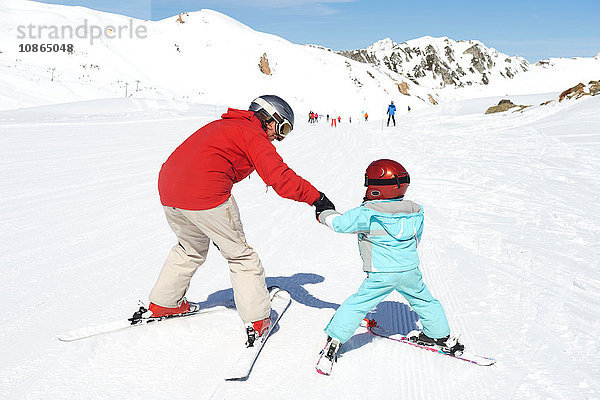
[(394, 317), (293, 284)]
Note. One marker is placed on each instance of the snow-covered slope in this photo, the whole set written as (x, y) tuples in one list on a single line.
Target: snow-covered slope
[(511, 202), (510, 248), (200, 56), (207, 57)]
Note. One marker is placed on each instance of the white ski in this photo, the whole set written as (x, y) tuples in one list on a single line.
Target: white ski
[(324, 365), (89, 331), (280, 301)]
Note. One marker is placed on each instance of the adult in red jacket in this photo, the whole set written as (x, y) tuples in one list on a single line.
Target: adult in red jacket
[(195, 190)]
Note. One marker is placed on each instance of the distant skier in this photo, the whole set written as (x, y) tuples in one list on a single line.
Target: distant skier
[(333, 122), (195, 190), (389, 230), (408, 109), (366, 117), (391, 111)]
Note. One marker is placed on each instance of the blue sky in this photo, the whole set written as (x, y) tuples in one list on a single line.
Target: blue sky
[(531, 29)]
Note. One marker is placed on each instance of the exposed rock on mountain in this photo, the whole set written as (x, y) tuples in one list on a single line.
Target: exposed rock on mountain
[(504, 105), (440, 62), (594, 87), (580, 90), (576, 92), (403, 88), (263, 65)]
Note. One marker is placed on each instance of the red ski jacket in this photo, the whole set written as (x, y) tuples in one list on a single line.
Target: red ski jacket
[(200, 173)]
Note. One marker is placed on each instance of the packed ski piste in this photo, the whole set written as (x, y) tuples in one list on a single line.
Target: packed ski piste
[(195, 186), (196, 209)]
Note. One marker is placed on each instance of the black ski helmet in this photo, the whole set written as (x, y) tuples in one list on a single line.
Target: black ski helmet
[(274, 108)]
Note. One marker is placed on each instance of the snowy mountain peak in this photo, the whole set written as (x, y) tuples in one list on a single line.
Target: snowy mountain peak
[(206, 16), (439, 62), (381, 45)]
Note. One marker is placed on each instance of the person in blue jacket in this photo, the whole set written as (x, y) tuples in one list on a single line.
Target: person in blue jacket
[(391, 111), (389, 230)]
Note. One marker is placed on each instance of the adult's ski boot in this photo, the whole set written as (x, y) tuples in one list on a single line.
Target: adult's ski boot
[(254, 330)]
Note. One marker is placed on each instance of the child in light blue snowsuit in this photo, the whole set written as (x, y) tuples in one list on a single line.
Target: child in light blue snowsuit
[(389, 231)]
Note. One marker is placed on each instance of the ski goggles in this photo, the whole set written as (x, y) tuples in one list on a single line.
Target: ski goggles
[(282, 125), (396, 180)]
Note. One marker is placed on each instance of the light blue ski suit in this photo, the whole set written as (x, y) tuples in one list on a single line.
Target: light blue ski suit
[(389, 232)]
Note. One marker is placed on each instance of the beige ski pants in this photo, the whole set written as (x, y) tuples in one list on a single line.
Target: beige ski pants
[(195, 230)]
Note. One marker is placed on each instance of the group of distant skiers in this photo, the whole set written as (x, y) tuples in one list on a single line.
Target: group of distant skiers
[(313, 117), (195, 186)]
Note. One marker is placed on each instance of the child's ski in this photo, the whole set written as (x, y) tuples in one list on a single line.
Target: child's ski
[(138, 319), (376, 330), (327, 358), (280, 301)]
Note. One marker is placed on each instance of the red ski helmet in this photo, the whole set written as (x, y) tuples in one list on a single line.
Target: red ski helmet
[(386, 179)]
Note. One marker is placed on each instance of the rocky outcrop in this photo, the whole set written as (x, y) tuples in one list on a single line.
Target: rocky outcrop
[(481, 60), (544, 63), (594, 87), (403, 88), (432, 100), (431, 62), (504, 105), (263, 65), (576, 92), (580, 90), (440, 62)]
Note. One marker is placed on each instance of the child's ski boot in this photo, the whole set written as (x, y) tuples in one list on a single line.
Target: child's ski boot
[(448, 344), (328, 356)]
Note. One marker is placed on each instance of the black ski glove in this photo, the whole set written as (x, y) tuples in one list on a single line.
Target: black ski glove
[(322, 204)]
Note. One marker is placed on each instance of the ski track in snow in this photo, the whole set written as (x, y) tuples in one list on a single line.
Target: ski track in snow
[(510, 248)]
